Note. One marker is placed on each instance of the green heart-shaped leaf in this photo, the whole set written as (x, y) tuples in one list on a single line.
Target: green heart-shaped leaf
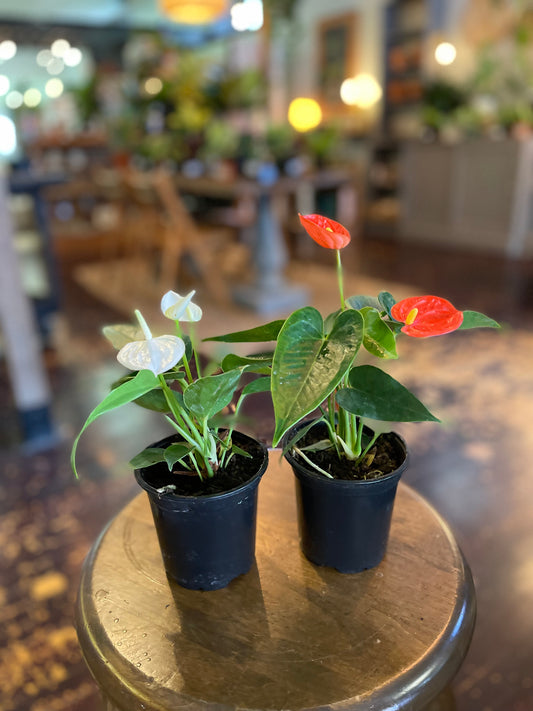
[(176, 452), (148, 457), (378, 396), (233, 360), (207, 396), (474, 319), (359, 301), (142, 383), (387, 300), (258, 385), (268, 332), (154, 399), (308, 364), (378, 339)]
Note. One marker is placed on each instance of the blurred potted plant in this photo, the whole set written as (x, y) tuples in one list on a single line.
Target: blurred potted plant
[(347, 472), (321, 144), (280, 140), (219, 149), (201, 480), (245, 90)]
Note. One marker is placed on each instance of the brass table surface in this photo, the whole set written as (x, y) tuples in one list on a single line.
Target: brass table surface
[(288, 635)]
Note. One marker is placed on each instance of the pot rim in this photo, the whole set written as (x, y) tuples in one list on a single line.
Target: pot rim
[(171, 496), (303, 470)]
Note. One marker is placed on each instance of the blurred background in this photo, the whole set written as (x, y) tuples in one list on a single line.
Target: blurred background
[(155, 144)]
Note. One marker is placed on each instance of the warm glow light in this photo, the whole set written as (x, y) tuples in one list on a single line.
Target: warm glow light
[(32, 98), (445, 53), (72, 57), (362, 90), (304, 114), (54, 88), (8, 136), (14, 100), (60, 47), (247, 15), (153, 85), (193, 12), (4, 84), (8, 49)]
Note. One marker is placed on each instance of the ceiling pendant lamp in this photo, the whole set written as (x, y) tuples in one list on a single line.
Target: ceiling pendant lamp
[(193, 12)]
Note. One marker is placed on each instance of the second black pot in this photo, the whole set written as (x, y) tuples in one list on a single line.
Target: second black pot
[(345, 524)]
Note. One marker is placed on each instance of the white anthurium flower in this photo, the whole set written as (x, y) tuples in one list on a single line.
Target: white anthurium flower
[(180, 308), (120, 334), (156, 354)]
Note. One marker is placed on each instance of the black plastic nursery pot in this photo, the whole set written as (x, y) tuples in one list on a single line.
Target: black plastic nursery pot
[(344, 524), (206, 541)]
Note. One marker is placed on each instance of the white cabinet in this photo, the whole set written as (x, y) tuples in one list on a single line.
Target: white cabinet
[(477, 194)]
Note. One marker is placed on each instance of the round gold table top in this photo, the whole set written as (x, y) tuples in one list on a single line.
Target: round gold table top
[(288, 635)]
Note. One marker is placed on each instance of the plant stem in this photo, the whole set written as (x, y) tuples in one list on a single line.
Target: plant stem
[(355, 444), (368, 447), (183, 423), (231, 428), (359, 435), (331, 410), (340, 279), (179, 331), (195, 353), (312, 464)]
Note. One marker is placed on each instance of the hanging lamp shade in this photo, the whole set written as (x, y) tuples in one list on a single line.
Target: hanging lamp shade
[(193, 12)]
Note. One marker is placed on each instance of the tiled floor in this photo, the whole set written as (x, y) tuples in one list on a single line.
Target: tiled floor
[(475, 468)]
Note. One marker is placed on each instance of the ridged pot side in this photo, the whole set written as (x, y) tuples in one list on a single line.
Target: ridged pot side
[(344, 524), (207, 541)]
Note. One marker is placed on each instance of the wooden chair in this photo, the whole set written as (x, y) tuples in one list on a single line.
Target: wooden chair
[(207, 251), (163, 247)]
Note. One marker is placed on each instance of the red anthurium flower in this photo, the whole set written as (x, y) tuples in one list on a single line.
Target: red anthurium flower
[(425, 316), (327, 233)]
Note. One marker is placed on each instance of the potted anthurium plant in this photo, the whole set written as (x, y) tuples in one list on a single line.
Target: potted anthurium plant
[(347, 465), (202, 479)]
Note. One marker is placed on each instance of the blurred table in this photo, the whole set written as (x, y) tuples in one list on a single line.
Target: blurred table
[(272, 203), (288, 635)]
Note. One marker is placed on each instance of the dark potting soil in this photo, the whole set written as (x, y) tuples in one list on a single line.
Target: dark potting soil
[(383, 458), (236, 472)]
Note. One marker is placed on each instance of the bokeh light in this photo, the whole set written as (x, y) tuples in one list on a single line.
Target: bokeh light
[(8, 49), (54, 88), (14, 100), (362, 90), (32, 98), (445, 53), (4, 84), (153, 85), (304, 114)]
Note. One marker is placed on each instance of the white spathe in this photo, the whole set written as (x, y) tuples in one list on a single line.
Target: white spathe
[(156, 354), (121, 334), (180, 308)]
